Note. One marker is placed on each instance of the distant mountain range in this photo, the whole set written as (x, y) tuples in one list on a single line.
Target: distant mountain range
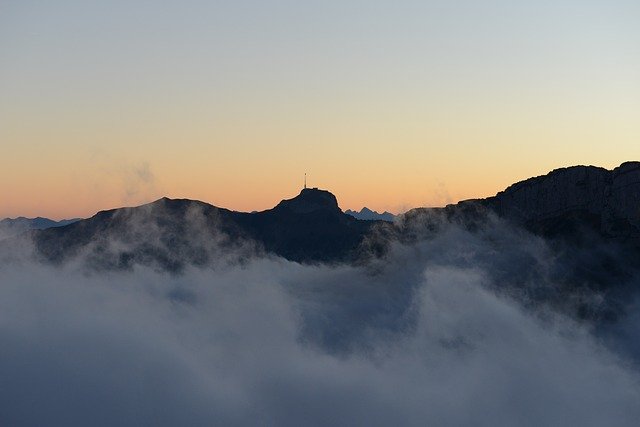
[(369, 215), (588, 216), (172, 233), (311, 227), (13, 226)]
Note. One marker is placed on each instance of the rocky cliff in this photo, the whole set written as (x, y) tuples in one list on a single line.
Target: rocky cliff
[(608, 199)]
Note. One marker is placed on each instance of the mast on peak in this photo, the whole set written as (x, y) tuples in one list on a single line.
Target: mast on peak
[(305, 180)]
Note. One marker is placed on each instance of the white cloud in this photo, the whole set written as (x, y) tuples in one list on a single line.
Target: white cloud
[(421, 339)]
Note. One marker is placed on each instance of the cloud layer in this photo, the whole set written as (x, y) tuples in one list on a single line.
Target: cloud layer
[(429, 335)]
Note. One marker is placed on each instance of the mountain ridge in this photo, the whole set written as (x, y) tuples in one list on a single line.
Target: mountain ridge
[(609, 197), (587, 217), (175, 232), (311, 227)]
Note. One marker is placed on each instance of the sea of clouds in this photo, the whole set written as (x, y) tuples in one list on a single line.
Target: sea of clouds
[(441, 331)]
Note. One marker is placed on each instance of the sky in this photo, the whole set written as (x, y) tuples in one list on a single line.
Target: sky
[(388, 104)]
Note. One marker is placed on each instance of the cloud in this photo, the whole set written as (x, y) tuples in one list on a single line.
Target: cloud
[(124, 179), (434, 333), (138, 180)]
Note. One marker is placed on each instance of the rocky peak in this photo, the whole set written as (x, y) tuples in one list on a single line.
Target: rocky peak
[(311, 200)]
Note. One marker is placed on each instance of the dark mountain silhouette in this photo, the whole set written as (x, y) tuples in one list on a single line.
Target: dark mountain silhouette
[(309, 227), (589, 218), (559, 203), (582, 206), (369, 215), (568, 241), (173, 233), (567, 203)]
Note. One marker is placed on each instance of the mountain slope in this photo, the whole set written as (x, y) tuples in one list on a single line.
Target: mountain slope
[(582, 206), (173, 233), (587, 220), (606, 201), (568, 202)]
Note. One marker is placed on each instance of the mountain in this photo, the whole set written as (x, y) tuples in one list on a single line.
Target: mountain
[(605, 201), (586, 220), (584, 206), (565, 203), (14, 226), (171, 234), (586, 217), (369, 215)]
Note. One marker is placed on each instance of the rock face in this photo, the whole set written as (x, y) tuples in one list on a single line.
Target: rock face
[(587, 217), (609, 200)]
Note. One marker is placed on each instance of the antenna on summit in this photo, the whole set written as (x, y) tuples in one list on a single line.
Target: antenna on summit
[(305, 180)]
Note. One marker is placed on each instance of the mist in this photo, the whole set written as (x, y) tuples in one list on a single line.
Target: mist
[(442, 331)]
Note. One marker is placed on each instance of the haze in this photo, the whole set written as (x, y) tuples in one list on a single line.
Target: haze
[(388, 104)]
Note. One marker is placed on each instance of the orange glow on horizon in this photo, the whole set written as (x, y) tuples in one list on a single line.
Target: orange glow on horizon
[(394, 108)]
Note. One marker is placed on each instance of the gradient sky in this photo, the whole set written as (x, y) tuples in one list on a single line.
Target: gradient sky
[(389, 104)]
